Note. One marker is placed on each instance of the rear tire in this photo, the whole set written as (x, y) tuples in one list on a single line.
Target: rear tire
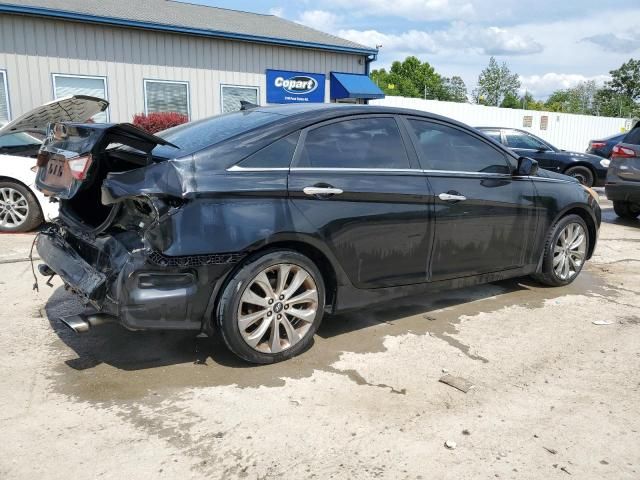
[(271, 308), (626, 209), (583, 174), (565, 252), (19, 208)]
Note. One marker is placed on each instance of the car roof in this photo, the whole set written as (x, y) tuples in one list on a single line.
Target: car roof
[(318, 111)]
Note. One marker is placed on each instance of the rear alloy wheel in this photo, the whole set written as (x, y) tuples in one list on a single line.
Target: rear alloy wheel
[(626, 209), (565, 252), (271, 308), (19, 209), (582, 174)]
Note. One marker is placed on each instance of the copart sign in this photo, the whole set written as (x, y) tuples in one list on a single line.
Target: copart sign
[(294, 87)]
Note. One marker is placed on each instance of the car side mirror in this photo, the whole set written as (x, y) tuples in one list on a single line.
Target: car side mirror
[(527, 166), (542, 149)]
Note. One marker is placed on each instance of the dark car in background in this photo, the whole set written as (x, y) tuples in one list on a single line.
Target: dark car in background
[(589, 170), (255, 223), (603, 147), (623, 178)]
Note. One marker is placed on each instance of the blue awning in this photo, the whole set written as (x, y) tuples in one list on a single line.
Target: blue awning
[(351, 85)]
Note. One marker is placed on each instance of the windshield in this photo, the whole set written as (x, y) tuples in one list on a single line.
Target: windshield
[(19, 139), (195, 136)]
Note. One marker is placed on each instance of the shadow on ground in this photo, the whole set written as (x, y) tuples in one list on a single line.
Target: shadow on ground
[(111, 362)]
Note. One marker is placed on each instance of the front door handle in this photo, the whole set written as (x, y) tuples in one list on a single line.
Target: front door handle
[(322, 191), (448, 197)]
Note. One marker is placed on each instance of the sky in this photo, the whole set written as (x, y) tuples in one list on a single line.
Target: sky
[(551, 44)]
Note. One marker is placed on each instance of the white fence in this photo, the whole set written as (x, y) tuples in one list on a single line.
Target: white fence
[(563, 130)]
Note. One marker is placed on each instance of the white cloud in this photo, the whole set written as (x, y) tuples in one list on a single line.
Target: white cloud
[(277, 11), (320, 20), (458, 37), (420, 10), (541, 86), (625, 42)]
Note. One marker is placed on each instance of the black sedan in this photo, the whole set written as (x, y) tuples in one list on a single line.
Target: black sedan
[(255, 223), (589, 170)]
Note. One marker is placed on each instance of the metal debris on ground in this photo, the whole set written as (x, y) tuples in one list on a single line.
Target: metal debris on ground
[(457, 382), (602, 322), (450, 444)]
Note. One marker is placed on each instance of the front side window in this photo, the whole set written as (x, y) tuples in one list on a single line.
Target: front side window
[(66, 85), (447, 148), (5, 114), (232, 96), (165, 96), (357, 143), (522, 140)]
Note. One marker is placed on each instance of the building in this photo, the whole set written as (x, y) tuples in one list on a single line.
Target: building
[(162, 55)]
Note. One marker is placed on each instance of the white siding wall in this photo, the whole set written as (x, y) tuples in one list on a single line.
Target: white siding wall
[(567, 131), (31, 49)]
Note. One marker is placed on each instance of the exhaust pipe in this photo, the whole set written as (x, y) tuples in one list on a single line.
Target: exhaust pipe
[(83, 323)]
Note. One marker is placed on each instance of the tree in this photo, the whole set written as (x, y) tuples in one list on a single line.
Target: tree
[(579, 99), (609, 103), (456, 89), (495, 83), (510, 100), (626, 80), (412, 78)]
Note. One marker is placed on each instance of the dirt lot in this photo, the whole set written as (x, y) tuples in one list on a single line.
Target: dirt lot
[(555, 395)]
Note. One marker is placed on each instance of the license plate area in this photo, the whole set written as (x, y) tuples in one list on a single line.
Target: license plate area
[(57, 174)]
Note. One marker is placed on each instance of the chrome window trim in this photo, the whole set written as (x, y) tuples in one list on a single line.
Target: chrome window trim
[(238, 168)]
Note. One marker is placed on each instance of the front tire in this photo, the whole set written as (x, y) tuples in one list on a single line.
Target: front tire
[(626, 209), (583, 174), (271, 308), (19, 209), (565, 252)]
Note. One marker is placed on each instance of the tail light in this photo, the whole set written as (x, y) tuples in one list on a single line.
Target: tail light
[(79, 166), (622, 152), (596, 145)]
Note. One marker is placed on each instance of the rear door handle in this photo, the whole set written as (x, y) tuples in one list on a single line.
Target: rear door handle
[(448, 197), (322, 191)]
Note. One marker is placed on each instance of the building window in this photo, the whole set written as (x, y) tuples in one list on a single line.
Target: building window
[(5, 113), (232, 95), (166, 96), (66, 85)]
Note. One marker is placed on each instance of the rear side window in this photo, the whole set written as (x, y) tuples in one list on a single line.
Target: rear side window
[(447, 148), (522, 140), (276, 155), (493, 134), (356, 143)]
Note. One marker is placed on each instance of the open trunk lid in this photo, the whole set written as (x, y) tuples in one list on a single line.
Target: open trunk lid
[(71, 155), (75, 108)]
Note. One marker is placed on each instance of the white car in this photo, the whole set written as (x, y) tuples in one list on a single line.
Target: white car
[(22, 206)]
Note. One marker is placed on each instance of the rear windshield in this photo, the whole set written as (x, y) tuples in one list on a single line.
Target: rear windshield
[(195, 136)]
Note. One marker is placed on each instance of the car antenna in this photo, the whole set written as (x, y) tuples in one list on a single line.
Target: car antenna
[(244, 105)]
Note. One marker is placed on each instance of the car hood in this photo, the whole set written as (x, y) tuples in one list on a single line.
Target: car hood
[(586, 157), (75, 108)]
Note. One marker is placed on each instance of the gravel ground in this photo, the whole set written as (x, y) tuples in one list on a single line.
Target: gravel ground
[(555, 395)]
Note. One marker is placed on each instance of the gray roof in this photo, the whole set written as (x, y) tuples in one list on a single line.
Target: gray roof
[(169, 15)]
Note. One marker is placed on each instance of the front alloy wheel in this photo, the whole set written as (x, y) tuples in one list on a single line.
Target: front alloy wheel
[(565, 252), (569, 251), (277, 308)]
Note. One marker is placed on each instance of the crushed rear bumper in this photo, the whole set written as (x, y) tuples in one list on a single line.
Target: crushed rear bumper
[(142, 288)]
